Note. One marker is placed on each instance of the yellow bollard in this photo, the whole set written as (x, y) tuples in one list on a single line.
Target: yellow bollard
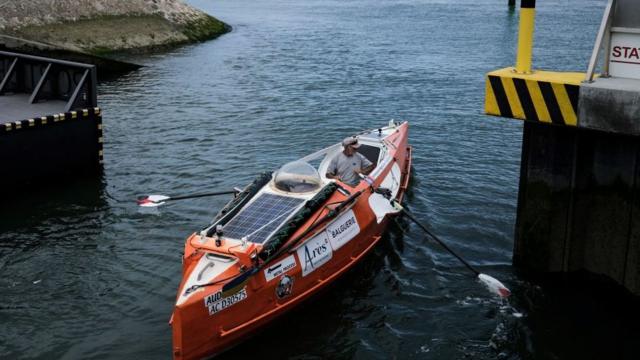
[(525, 36)]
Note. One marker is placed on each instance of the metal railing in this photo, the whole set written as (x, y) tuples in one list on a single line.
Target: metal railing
[(48, 79), (604, 36)]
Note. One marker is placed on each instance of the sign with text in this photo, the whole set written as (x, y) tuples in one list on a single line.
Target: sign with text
[(625, 55), (314, 253), (279, 268), (343, 229)]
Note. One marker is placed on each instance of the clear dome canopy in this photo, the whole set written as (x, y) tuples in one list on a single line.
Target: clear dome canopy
[(297, 177)]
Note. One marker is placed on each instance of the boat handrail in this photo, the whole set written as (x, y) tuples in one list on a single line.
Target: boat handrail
[(323, 228), (219, 257)]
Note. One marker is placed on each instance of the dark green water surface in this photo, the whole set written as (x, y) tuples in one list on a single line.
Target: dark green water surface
[(85, 275)]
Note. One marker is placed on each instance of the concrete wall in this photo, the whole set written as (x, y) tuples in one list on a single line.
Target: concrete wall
[(579, 208), (610, 104)]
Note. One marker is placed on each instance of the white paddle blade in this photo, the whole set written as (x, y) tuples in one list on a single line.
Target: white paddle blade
[(494, 285), (152, 200)]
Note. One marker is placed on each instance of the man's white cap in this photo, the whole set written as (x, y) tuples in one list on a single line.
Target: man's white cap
[(351, 141)]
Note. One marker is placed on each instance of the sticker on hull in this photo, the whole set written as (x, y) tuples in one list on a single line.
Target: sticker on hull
[(343, 229), (285, 287), (219, 305), (279, 268), (314, 253), (215, 297)]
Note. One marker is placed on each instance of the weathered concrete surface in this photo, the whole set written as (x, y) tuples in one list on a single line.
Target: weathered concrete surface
[(579, 203), (610, 104), (544, 198), (101, 26), (605, 172)]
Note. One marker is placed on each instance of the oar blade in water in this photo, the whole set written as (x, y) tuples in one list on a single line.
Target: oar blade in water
[(494, 285), (152, 200)]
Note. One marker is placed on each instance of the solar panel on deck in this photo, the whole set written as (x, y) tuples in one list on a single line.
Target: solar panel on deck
[(259, 217)]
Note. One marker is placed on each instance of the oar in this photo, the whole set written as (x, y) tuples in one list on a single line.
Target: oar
[(494, 285), (157, 200)]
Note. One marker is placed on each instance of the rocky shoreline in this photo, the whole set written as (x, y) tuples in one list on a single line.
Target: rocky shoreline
[(100, 27)]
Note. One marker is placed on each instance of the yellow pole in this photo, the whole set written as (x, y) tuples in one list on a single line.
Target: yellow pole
[(525, 36)]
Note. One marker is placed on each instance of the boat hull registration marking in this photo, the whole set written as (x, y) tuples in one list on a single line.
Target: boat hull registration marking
[(343, 229), (314, 253), (280, 268), (215, 303)]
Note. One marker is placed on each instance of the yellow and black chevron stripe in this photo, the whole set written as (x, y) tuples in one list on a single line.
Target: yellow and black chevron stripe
[(51, 119), (534, 98), (98, 117)]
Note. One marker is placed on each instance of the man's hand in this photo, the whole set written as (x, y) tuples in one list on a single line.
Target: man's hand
[(364, 171), (332, 176), (368, 169)]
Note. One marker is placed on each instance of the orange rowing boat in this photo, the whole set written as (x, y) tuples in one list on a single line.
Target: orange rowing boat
[(281, 240)]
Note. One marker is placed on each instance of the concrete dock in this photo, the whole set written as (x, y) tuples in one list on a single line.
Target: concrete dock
[(50, 125), (578, 204)]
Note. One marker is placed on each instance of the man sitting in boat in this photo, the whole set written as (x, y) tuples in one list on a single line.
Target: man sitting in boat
[(346, 165)]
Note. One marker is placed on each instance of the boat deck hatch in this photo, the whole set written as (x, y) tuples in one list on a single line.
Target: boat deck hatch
[(261, 217)]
